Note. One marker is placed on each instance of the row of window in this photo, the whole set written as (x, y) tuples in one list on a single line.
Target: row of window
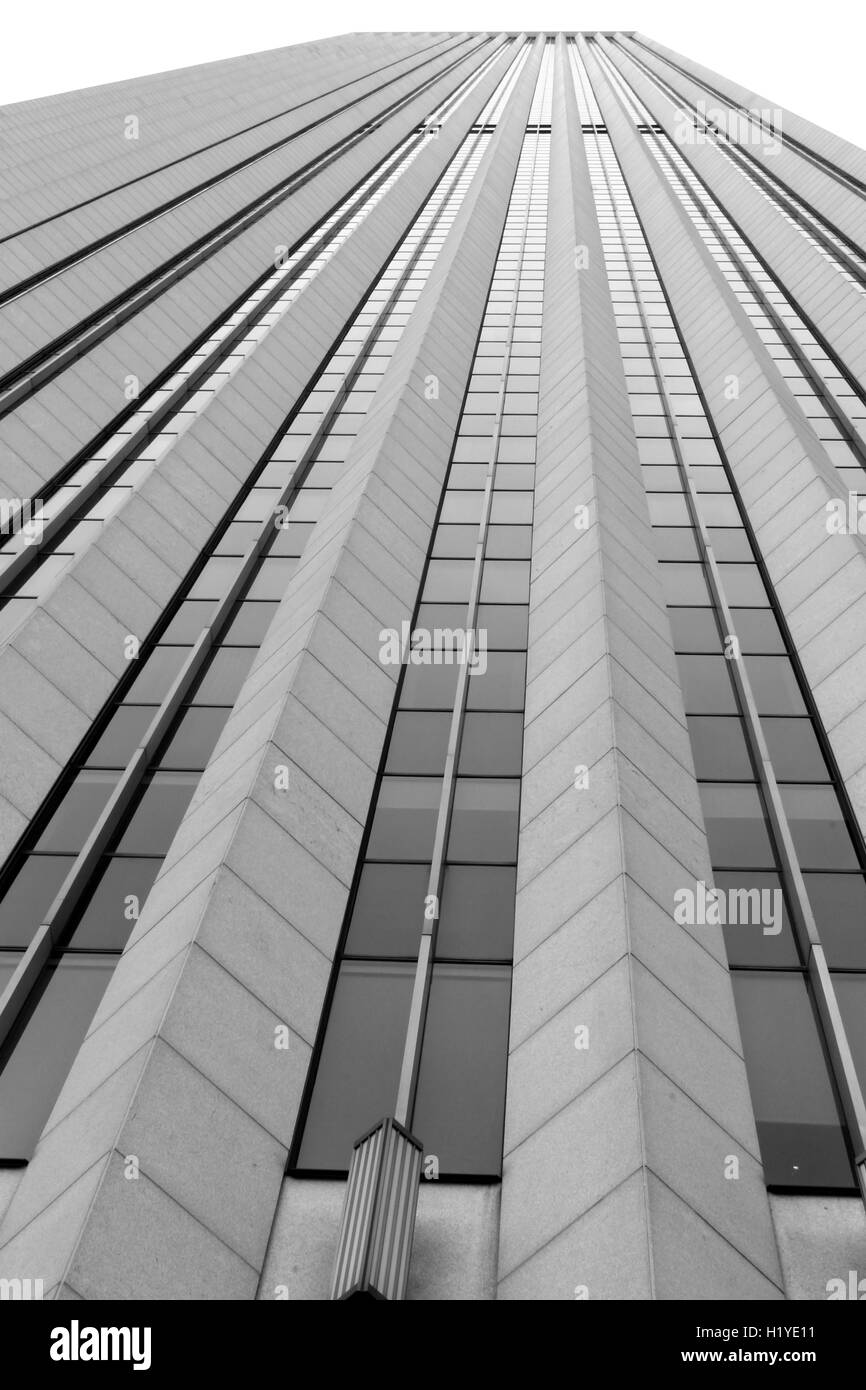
[(459, 1107)]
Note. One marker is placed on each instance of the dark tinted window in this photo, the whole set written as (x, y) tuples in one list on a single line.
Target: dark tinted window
[(122, 736), (706, 685), (419, 742), (31, 1080), (29, 896), (78, 812), (388, 910), (224, 677), (492, 745), (461, 1085), (798, 1124), (736, 826), (719, 748), (820, 834), (484, 822), (405, 818), (477, 912), (111, 914), (195, 738), (356, 1081), (158, 814), (839, 904)]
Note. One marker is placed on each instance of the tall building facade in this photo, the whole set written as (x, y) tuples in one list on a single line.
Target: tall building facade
[(433, 675)]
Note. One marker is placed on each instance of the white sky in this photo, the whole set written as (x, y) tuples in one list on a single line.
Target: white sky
[(807, 58)]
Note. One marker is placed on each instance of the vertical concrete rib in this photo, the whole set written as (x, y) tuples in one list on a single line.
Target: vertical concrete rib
[(181, 1067), (614, 1179)]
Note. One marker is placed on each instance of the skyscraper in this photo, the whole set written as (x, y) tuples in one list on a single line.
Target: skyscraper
[(432, 678)]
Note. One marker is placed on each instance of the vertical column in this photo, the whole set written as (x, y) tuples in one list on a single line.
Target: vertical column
[(627, 1095)]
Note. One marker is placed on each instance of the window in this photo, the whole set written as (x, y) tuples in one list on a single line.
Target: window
[(798, 1123), (34, 1073), (29, 897), (405, 820), (736, 826), (484, 822), (461, 1085)]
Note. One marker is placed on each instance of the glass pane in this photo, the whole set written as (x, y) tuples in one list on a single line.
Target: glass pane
[(839, 904), (757, 630), (492, 745), (757, 929), (774, 685), (359, 1066), (509, 543), (668, 509), (730, 544), (506, 626), (125, 730), (35, 1072), (477, 917), (405, 820), (502, 685), (736, 828), (511, 508), (798, 1124), (484, 822), (718, 510), (419, 743), (272, 579), (430, 687), (78, 812), (159, 813), (694, 630), (794, 750), (249, 624), (461, 1084), (684, 584), (455, 542), (460, 507), (719, 748), (675, 543), (215, 578), (157, 675), (189, 620), (448, 581), (389, 907), (29, 897), (706, 684), (743, 585), (111, 914), (851, 993), (820, 834), (505, 581), (195, 738), (224, 676)]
